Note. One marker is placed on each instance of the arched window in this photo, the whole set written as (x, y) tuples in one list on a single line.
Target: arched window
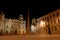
[(50, 16), (53, 15), (55, 28), (49, 31), (7, 26)]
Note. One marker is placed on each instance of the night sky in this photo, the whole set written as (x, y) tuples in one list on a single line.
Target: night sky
[(36, 9)]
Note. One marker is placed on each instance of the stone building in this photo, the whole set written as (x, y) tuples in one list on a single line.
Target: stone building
[(22, 28), (1, 23), (8, 26), (50, 23), (2, 18), (12, 26), (16, 25)]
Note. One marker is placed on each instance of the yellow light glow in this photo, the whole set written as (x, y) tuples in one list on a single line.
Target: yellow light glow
[(42, 23)]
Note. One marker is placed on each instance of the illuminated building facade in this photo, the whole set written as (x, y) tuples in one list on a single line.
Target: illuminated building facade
[(22, 27), (28, 23), (50, 23), (12, 26), (2, 18)]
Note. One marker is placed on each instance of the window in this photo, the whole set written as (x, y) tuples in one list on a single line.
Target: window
[(53, 15), (50, 16), (7, 26), (49, 31)]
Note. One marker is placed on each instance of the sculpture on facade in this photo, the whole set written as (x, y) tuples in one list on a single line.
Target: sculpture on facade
[(33, 26)]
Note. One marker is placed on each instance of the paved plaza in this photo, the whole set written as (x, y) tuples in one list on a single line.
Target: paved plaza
[(30, 37)]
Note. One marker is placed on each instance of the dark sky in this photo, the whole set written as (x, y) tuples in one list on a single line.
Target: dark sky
[(36, 9)]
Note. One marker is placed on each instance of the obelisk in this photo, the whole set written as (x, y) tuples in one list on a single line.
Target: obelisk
[(28, 23)]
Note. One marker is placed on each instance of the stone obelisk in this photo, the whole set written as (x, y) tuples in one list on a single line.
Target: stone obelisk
[(28, 23)]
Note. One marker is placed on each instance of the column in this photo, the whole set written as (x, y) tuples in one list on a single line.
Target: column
[(28, 23)]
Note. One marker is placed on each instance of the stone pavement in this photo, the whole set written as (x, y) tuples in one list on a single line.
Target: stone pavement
[(30, 37)]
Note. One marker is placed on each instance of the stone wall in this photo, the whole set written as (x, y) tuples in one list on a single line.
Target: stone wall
[(53, 20)]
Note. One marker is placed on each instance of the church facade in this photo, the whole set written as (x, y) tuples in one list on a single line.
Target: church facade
[(12, 26)]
